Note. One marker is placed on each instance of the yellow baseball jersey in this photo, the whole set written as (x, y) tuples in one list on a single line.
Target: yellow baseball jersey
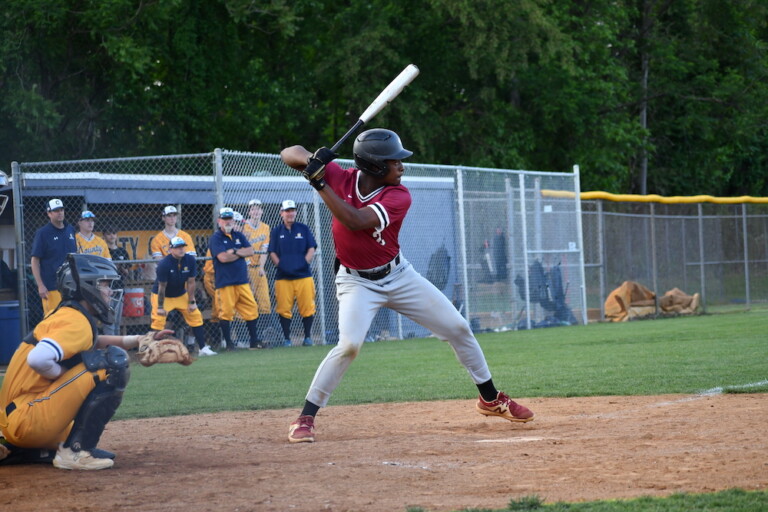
[(46, 408), (95, 245), (161, 243), (258, 238)]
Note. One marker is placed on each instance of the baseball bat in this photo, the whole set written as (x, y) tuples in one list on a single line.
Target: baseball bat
[(389, 93)]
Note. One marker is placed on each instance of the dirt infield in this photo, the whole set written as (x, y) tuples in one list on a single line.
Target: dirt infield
[(439, 456)]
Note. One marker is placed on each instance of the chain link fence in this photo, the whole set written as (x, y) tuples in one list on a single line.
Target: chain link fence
[(506, 256), (717, 250)]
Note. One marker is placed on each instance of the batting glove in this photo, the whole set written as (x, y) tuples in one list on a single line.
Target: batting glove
[(315, 169)]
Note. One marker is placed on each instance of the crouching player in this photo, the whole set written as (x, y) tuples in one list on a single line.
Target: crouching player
[(65, 382)]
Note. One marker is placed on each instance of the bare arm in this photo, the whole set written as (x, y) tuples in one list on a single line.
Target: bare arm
[(310, 254), (191, 287), (41, 289)]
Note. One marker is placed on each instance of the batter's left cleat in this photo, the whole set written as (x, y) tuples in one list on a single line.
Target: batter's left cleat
[(504, 407), (302, 430), (66, 458)]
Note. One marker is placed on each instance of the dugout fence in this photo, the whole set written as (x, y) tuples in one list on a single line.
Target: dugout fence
[(506, 255)]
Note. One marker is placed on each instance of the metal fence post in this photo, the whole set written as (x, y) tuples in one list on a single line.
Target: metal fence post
[(524, 230), (218, 183), (601, 255), (702, 272), (319, 265), (746, 254), (21, 246), (654, 270), (463, 238), (580, 234)]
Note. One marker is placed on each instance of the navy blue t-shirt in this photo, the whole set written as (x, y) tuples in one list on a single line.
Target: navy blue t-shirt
[(175, 274), (234, 272), (51, 246), (291, 246)]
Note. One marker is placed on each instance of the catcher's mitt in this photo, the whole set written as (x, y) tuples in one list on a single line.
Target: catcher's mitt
[(164, 350)]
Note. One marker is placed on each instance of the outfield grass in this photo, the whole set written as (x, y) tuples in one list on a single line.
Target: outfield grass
[(680, 355)]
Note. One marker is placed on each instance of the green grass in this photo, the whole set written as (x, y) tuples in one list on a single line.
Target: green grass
[(679, 355)]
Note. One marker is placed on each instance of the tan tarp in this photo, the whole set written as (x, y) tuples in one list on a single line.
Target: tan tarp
[(629, 300), (677, 301), (632, 300)]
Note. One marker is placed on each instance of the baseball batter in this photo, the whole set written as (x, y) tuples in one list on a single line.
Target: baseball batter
[(368, 204)]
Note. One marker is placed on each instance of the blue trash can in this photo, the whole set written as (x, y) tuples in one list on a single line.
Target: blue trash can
[(10, 329)]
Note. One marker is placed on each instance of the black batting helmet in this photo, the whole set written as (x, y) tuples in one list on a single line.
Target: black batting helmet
[(373, 147), (78, 278)]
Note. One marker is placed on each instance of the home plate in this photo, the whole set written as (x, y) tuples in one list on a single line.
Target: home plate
[(512, 440)]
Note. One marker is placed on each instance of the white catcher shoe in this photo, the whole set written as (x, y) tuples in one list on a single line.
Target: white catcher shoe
[(68, 459)]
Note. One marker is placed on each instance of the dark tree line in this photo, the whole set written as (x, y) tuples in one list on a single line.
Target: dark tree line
[(657, 96)]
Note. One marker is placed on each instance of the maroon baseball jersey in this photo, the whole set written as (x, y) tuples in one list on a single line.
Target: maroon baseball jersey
[(367, 248)]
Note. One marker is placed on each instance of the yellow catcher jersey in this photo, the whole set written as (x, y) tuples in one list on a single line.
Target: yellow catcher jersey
[(68, 330)]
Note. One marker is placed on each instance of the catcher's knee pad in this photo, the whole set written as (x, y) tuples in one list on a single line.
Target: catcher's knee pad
[(101, 403), (115, 360)]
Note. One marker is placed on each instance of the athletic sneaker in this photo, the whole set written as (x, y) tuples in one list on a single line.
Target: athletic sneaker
[(504, 407), (67, 459), (307, 342), (206, 351), (287, 343), (302, 430)]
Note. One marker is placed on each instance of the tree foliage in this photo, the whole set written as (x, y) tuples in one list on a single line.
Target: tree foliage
[(531, 84)]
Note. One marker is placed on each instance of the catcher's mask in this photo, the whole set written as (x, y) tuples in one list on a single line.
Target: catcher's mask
[(93, 279), (374, 147)]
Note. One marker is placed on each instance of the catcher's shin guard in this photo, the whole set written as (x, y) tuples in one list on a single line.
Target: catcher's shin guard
[(101, 403)]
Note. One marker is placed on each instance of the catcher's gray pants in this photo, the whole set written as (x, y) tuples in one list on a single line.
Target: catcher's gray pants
[(408, 293)]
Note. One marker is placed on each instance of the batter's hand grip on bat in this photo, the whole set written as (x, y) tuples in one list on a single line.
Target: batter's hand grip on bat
[(390, 92)]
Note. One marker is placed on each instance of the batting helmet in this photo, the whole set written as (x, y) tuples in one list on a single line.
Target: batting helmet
[(79, 277), (373, 147)]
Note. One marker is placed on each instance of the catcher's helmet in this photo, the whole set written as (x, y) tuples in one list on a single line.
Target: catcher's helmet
[(373, 147), (82, 276)]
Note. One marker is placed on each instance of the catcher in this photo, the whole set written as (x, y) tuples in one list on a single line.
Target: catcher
[(65, 382)]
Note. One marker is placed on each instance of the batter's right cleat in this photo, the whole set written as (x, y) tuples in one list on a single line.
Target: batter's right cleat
[(66, 458), (302, 430), (504, 407)]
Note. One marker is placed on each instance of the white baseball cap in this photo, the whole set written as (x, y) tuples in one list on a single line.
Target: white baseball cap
[(55, 204), (254, 202), (169, 209), (226, 213), (238, 217), (288, 204), (177, 241)]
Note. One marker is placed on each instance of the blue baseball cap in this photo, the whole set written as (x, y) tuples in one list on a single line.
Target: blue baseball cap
[(87, 214)]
